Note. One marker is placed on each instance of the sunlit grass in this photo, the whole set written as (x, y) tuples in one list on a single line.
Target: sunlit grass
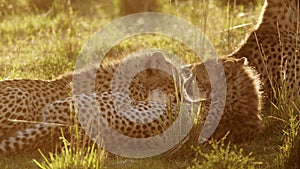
[(44, 44), (223, 156), (73, 157)]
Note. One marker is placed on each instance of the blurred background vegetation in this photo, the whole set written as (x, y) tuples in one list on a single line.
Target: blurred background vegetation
[(41, 39)]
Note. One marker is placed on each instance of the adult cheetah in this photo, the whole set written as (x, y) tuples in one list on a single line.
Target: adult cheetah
[(272, 48)]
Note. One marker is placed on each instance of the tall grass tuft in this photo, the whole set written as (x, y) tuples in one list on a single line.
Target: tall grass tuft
[(72, 156), (286, 111), (76, 152), (290, 151), (223, 156), (287, 114)]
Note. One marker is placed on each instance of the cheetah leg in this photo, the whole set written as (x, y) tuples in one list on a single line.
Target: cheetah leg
[(53, 119), (143, 119), (29, 137)]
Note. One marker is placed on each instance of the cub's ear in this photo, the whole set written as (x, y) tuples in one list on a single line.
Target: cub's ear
[(242, 61), (158, 55), (228, 63), (157, 58), (235, 62)]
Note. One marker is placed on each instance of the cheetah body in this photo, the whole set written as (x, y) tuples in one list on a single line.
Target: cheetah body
[(272, 48), (24, 102), (240, 115), (140, 117)]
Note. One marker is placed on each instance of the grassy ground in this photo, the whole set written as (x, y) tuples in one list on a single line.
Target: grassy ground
[(42, 42)]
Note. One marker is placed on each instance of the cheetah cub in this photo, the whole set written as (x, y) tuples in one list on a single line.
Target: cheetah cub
[(238, 110)]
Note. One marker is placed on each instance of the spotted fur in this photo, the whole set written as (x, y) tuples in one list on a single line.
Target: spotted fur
[(273, 49), (241, 114), (24, 103)]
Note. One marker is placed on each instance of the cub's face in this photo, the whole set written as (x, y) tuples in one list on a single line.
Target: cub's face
[(158, 78), (198, 82)]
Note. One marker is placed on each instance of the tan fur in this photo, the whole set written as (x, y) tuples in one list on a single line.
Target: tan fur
[(243, 99), (24, 103), (272, 49)]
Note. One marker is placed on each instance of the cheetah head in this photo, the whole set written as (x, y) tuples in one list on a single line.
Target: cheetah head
[(197, 82), (160, 76)]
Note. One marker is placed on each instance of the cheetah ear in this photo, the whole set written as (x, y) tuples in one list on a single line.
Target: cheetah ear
[(234, 62), (242, 61), (228, 64), (157, 57)]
